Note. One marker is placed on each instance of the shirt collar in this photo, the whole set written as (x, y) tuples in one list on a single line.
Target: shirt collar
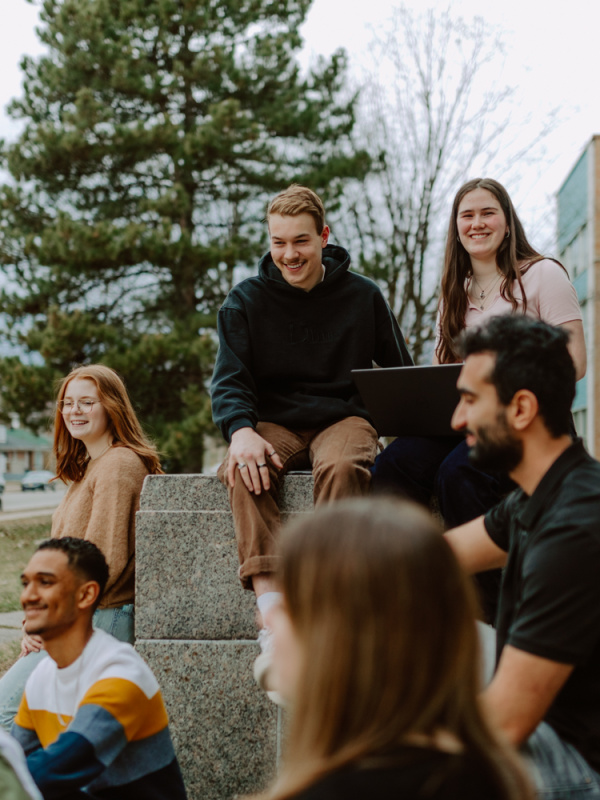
[(547, 487)]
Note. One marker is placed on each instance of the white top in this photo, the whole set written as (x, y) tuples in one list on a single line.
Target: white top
[(60, 691)]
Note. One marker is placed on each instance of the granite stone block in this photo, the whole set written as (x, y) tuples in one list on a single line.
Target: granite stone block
[(183, 493), (224, 729), (195, 626), (206, 492), (186, 578)]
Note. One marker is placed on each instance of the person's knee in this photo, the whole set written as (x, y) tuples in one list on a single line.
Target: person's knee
[(343, 477), (459, 475), (394, 466), (450, 476)]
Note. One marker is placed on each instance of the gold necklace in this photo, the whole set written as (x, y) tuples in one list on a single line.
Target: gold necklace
[(484, 292), (108, 446)]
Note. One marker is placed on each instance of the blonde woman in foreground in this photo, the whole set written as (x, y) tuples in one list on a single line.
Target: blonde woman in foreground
[(376, 654)]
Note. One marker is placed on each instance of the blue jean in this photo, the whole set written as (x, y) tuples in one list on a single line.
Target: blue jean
[(558, 770), (420, 467), (117, 621)]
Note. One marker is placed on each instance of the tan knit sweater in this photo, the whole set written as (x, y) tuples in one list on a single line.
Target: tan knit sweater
[(101, 508)]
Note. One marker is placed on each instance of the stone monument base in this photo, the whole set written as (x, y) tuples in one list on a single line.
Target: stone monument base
[(195, 626)]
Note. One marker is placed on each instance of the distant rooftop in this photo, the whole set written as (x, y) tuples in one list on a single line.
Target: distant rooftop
[(22, 439)]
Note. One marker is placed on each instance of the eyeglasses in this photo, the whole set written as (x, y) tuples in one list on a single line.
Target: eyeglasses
[(86, 404)]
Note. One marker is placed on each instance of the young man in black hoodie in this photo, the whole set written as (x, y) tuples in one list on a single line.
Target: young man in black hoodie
[(282, 390)]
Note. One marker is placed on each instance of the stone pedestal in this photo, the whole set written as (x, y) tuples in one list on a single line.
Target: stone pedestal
[(195, 627)]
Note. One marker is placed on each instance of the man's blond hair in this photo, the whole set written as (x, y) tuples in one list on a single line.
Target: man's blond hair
[(297, 200)]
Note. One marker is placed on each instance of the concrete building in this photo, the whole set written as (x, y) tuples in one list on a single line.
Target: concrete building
[(579, 250)]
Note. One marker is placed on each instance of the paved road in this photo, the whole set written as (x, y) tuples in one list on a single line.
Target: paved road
[(10, 626), (31, 501), (26, 505), (6, 516)]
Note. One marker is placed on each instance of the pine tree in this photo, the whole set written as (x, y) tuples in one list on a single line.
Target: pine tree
[(154, 131)]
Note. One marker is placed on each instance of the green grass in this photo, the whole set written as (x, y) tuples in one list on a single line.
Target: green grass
[(18, 539), (8, 655)]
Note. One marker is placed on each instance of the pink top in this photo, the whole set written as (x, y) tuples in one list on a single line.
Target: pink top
[(550, 294)]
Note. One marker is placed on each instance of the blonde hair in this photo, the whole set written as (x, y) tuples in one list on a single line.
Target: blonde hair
[(297, 200), (71, 454), (385, 619)]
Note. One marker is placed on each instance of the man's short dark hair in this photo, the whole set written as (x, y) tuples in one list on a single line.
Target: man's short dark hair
[(531, 355), (83, 557)]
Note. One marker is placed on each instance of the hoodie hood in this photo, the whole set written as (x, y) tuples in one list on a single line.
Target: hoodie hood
[(336, 261)]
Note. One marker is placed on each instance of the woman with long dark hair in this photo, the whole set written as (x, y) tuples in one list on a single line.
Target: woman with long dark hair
[(490, 268), (103, 455), (376, 655)]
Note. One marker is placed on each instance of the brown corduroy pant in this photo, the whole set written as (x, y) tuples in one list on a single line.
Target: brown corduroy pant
[(340, 456)]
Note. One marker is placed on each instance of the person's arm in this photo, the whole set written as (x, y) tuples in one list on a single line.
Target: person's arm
[(234, 405), (554, 625), (248, 448), (64, 766), (116, 498), (390, 345), (577, 346), (558, 304), (111, 714), (233, 389), (522, 691), (473, 547), (22, 730)]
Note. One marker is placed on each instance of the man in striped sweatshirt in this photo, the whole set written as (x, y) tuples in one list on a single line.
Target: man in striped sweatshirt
[(92, 721)]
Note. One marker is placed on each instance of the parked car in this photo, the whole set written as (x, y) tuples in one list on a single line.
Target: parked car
[(37, 479)]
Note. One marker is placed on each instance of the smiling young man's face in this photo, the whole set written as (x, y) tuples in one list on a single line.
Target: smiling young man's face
[(297, 249), (49, 594)]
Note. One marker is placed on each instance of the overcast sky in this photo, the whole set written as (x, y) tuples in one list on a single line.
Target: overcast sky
[(552, 57)]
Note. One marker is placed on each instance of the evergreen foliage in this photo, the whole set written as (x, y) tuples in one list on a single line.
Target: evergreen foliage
[(154, 132)]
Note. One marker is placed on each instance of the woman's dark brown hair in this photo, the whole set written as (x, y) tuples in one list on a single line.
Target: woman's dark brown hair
[(510, 258)]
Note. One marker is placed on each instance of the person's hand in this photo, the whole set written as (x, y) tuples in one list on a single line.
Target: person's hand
[(30, 644), (248, 456)]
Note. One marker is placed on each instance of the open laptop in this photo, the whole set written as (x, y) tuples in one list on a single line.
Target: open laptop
[(410, 401)]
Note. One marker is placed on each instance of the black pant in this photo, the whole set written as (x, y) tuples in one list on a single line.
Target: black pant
[(421, 467)]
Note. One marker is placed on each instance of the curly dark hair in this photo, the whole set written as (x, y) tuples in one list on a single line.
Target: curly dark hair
[(531, 355)]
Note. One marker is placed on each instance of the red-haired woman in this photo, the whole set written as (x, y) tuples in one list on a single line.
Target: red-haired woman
[(104, 456)]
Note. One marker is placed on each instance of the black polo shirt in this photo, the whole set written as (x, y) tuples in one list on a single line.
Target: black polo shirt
[(550, 593)]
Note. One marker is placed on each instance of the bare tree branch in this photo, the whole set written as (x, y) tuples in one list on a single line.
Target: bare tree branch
[(428, 118)]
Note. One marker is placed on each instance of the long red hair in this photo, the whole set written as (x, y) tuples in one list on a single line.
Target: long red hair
[(71, 454)]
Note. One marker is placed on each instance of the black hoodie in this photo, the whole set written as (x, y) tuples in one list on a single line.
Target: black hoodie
[(285, 355)]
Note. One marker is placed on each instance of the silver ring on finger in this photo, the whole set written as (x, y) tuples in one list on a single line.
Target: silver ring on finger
[(241, 466), (260, 466), (272, 454)]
